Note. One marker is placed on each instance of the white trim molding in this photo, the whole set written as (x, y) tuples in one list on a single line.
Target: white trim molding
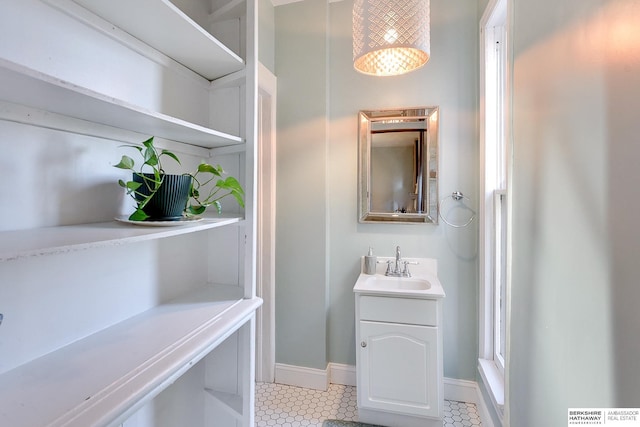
[(265, 278), (494, 27), (342, 374), (316, 379), (299, 376), (461, 390), (494, 381)]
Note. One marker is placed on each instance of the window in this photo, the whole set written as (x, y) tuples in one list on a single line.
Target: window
[(495, 203), (497, 184), (500, 279)]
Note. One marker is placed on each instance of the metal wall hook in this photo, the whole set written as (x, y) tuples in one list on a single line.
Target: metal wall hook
[(456, 196)]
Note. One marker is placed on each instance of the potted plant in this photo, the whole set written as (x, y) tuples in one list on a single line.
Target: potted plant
[(165, 197)]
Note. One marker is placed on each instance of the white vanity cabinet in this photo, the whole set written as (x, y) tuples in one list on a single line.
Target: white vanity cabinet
[(111, 324), (399, 359)]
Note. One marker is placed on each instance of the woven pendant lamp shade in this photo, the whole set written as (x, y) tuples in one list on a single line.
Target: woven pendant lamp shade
[(390, 37)]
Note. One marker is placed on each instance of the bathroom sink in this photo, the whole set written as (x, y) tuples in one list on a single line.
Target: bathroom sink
[(423, 282), (397, 283)]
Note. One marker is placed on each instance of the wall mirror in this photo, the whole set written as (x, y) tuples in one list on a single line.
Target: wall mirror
[(398, 165)]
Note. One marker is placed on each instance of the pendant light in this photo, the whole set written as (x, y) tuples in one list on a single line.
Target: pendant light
[(390, 37)]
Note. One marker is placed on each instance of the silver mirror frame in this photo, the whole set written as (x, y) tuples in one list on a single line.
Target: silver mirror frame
[(425, 118)]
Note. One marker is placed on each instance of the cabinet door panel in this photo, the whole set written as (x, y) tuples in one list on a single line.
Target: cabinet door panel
[(398, 370)]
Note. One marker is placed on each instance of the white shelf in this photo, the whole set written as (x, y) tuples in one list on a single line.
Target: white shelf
[(25, 86), (232, 10), (163, 26), (104, 378), (228, 402), (232, 80), (21, 244)]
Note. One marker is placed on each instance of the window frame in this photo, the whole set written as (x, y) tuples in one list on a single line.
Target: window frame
[(495, 74)]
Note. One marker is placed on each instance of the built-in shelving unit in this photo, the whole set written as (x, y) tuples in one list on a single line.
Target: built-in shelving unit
[(102, 379), (24, 86), (56, 240), (106, 377)]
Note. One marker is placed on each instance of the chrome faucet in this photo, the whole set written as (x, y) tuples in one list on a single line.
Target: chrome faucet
[(397, 270)]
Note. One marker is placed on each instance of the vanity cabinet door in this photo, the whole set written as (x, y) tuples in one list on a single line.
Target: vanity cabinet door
[(398, 370)]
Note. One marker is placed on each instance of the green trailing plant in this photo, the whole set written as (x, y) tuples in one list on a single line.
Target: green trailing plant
[(152, 174)]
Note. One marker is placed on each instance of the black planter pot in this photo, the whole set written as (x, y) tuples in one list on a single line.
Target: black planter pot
[(168, 203)]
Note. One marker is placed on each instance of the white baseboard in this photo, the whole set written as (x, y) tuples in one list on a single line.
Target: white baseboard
[(460, 390), (342, 374), (315, 379), (319, 379)]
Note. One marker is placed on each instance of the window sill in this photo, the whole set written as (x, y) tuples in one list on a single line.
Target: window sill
[(494, 381)]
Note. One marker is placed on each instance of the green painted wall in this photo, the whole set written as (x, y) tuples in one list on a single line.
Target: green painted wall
[(266, 34), (302, 205), (575, 293), (319, 239)]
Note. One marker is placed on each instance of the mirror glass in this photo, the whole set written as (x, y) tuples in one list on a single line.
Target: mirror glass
[(398, 165)]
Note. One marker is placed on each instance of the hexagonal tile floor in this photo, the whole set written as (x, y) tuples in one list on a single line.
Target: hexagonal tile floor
[(288, 406)]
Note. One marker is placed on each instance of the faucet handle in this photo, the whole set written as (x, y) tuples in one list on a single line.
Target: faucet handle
[(405, 271), (388, 267)]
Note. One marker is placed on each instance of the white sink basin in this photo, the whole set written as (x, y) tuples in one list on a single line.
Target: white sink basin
[(423, 282), (397, 283)]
